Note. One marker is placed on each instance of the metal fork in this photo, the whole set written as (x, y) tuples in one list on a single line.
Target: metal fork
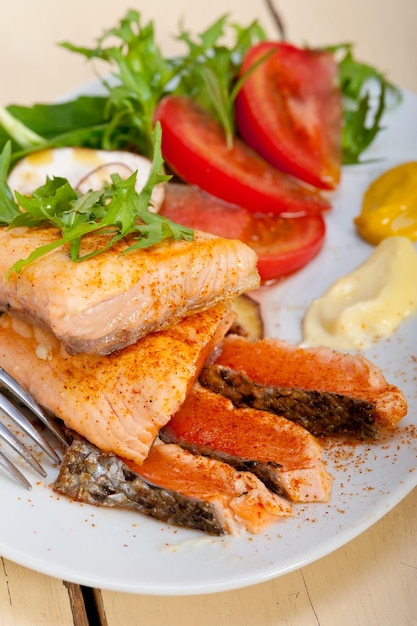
[(14, 401)]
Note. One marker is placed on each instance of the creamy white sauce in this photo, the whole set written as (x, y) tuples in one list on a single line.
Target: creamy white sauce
[(187, 544), (367, 304)]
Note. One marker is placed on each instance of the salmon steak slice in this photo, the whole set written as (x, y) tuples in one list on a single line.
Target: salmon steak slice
[(172, 486), (286, 457), (240, 498), (273, 363), (109, 301), (320, 412), (119, 401)]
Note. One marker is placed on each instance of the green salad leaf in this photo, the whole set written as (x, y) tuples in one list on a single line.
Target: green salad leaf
[(140, 76), (209, 72), (366, 96), (117, 211), (80, 122)]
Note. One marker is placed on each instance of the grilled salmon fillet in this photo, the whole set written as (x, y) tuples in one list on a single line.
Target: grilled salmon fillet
[(276, 363), (172, 486), (286, 457), (109, 301), (240, 498), (320, 412), (120, 401)]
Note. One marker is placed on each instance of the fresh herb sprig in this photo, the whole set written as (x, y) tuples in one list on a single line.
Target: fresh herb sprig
[(209, 71), (140, 76), (366, 96), (117, 211)]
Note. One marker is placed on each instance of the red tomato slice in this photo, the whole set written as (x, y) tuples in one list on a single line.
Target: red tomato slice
[(283, 244), (289, 110), (194, 146)]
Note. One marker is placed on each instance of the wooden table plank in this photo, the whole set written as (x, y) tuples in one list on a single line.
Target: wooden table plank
[(371, 580), (28, 598), (79, 613)]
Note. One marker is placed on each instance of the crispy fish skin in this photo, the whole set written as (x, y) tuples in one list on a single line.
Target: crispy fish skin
[(240, 498), (120, 401), (103, 479), (319, 412), (276, 363), (280, 453), (172, 486), (102, 304)]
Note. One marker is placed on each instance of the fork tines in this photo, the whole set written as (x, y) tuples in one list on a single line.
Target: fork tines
[(8, 406)]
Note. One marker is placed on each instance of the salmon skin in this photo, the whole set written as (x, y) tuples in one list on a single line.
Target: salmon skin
[(120, 401), (172, 486), (272, 362), (101, 478), (107, 302), (319, 412), (282, 454)]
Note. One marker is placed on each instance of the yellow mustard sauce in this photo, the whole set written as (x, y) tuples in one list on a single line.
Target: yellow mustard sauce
[(367, 304), (389, 205)]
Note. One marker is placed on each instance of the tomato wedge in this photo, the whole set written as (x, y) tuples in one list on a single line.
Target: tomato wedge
[(290, 111), (283, 244), (194, 146)]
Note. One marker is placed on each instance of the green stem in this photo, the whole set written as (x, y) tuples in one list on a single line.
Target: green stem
[(23, 135)]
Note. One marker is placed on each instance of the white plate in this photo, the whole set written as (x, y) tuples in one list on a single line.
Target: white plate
[(123, 551)]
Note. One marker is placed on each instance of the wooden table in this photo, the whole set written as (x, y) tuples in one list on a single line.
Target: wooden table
[(373, 579)]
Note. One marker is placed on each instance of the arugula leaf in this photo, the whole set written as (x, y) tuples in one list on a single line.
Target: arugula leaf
[(209, 72), (46, 204), (140, 76), (366, 93), (117, 212)]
